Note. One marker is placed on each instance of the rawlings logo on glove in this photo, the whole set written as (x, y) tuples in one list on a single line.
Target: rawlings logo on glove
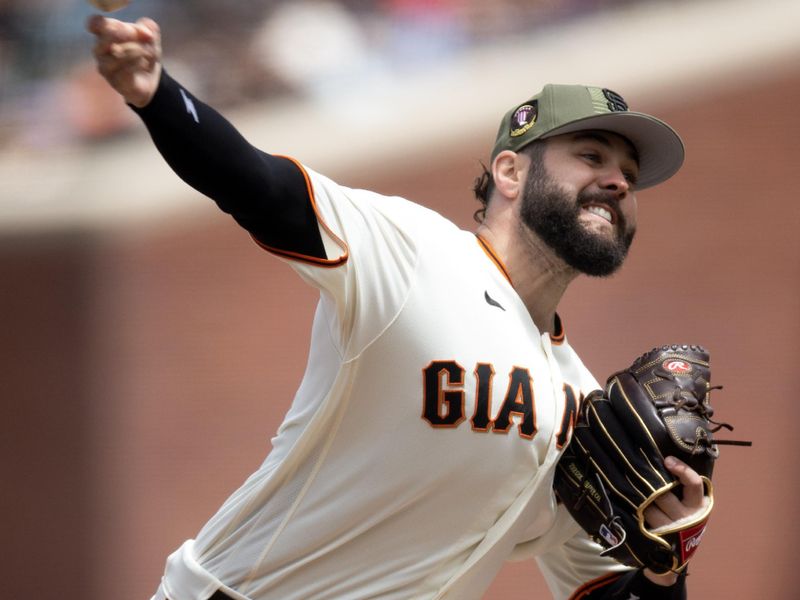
[(613, 469)]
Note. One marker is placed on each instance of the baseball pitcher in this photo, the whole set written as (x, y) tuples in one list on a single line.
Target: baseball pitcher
[(441, 391)]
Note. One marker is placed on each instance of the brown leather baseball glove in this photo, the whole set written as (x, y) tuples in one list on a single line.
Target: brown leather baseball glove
[(613, 468)]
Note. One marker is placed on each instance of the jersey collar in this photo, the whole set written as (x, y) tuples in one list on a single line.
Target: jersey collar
[(558, 336)]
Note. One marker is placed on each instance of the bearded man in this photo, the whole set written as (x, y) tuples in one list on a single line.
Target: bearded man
[(419, 451)]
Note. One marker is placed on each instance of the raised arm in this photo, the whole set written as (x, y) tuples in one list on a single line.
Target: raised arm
[(267, 195), (128, 56)]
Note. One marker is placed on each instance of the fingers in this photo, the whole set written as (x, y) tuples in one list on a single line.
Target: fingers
[(668, 508), (656, 517), (693, 488), (124, 55), (150, 25), (115, 31), (128, 56), (121, 65), (111, 32)]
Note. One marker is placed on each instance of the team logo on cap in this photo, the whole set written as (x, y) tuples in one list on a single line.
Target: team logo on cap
[(524, 118), (616, 103)]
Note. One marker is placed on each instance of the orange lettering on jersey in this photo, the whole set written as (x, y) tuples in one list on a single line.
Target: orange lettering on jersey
[(569, 417), (481, 419), (443, 407), (519, 401)]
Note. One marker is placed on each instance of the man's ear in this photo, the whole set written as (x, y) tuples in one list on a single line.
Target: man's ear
[(508, 171)]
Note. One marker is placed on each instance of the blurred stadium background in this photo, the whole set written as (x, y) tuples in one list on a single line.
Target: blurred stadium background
[(149, 349)]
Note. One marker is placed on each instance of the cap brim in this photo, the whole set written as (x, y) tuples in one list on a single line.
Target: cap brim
[(660, 148)]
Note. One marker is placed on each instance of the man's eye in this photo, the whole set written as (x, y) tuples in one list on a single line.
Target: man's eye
[(591, 156)]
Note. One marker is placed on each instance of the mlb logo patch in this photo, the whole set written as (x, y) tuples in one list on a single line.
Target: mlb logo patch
[(608, 536)]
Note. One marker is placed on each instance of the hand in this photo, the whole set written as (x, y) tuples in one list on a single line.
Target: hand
[(128, 56), (668, 508)]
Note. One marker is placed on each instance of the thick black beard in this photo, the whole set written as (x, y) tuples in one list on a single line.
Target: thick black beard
[(554, 217)]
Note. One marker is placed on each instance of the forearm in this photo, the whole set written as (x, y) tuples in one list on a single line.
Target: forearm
[(267, 195), (635, 584)]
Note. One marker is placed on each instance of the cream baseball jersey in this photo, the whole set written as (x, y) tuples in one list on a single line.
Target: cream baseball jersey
[(418, 452)]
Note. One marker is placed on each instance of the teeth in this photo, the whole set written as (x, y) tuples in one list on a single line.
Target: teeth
[(600, 211)]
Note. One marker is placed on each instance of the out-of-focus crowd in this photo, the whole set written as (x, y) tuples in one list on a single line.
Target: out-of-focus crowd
[(234, 52)]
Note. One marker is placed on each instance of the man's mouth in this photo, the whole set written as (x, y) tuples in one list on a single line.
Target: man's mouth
[(603, 211)]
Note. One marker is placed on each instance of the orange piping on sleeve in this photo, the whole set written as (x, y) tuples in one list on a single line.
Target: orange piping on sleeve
[(320, 262)]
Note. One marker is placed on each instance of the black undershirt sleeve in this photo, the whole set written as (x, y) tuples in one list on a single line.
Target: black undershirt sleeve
[(267, 195), (635, 585)]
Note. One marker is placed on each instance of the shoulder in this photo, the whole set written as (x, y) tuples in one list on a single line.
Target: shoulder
[(330, 196)]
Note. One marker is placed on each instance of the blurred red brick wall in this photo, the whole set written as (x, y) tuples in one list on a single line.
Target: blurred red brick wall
[(46, 435), (146, 371)]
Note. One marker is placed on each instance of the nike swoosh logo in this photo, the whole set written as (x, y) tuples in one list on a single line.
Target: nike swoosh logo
[(492, 302), (190, 107)]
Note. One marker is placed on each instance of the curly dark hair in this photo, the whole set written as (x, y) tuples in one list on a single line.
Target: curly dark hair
[(484, 183), (482, 188)]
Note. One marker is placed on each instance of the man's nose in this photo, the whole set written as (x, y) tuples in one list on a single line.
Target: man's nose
[(614, 180)]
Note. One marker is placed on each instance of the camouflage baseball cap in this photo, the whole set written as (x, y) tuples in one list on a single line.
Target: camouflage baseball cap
[(561, 109)]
